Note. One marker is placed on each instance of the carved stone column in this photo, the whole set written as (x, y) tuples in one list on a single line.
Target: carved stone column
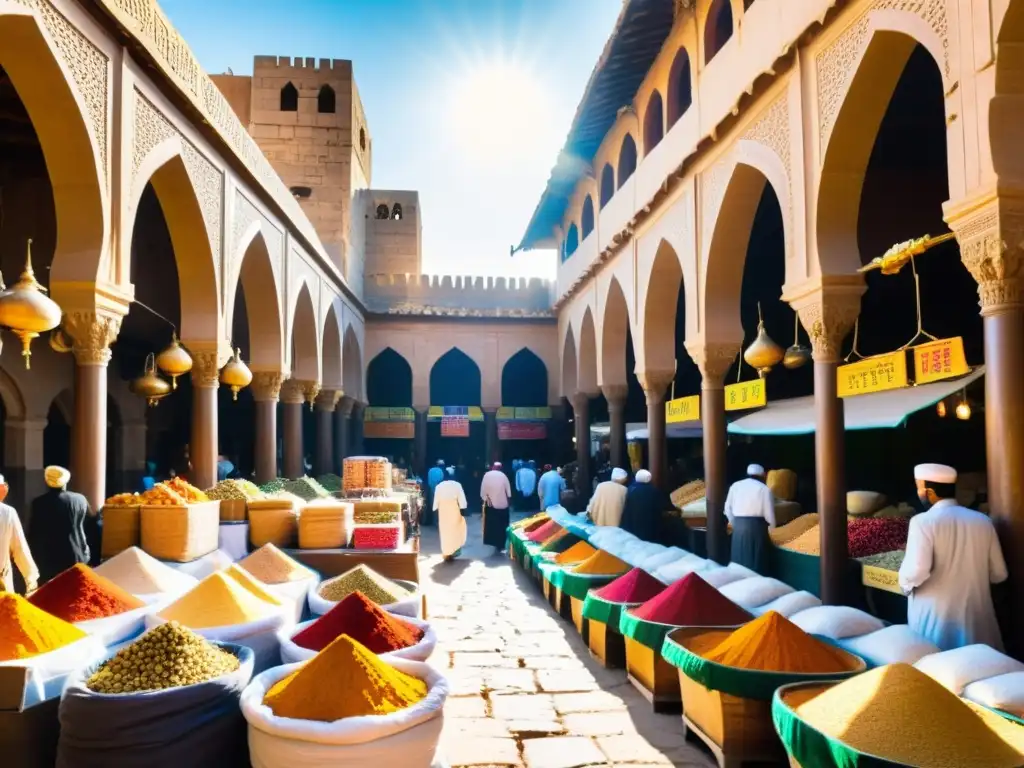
[(714, 361), (616, 394), (655, 384), (326, 402), (991, 235), (266, 391), (828, 315), (92, 334), (204, 443), (581, 421), (292, 400), (342, 414)]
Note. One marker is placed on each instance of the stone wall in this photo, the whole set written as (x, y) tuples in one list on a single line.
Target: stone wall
[(393, 246), (458, 296)]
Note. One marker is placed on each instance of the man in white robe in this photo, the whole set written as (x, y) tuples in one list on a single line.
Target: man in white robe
[(449, 501), (953, 559), (750, 507), (609, 498)]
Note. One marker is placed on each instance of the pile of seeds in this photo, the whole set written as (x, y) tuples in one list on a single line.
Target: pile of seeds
[(168, 656), (784, 534), (362, 579), (235, 490), (890, 561), (306, 488), (273, 486), (330, 482)]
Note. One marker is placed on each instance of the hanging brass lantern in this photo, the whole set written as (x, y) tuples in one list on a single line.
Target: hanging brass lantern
[(797, 356), (26, 309), (60, 342), (174, 361), (763, 354), (236, 374), (149, 385)]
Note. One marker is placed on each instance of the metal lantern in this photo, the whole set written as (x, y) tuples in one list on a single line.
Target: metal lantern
[(763, 354), (60, 342), (174, 361), (26, 309), (236, 374), (797, 356), (149, 385)]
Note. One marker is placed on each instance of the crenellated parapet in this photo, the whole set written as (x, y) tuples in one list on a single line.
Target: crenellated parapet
[(459, 295)]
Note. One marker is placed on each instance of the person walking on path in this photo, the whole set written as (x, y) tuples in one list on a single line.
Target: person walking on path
[(526, 484), (57, 531), (641, 514), (750, 507), (495, 493), (952, 560), (609, 499), (449, 502), (13, 547), (550, 487)]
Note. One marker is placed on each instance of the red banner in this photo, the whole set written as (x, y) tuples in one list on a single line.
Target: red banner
[(395, 430), (522, 430), (454, 426)]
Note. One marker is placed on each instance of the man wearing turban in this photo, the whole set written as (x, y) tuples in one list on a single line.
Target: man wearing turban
[(56, 531)]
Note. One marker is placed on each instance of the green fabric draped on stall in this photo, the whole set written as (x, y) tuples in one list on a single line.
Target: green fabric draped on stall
[(578, 585), (649, 633), (598, 609)]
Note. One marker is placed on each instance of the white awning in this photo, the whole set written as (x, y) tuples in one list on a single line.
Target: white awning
[(692, 429), (881, 410)]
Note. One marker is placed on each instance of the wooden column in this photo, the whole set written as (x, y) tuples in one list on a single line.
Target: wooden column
[(491, 435), (92, 334), (326, 402), (655, 384), (714, 361), (828, 313), (616, 394), (581, 422), (204, 444), (292, 400), (266, 391), (342, 414)]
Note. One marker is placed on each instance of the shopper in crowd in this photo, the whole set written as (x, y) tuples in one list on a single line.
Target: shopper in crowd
[(609, 498), (449, 501), (496, 494), (13, 547), (750, 507), (526, 485), (550, 487), (645, 503), (953, 559), (434, 476), (56, 532)]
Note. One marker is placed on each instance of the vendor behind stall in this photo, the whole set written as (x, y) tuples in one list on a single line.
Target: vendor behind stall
[(953, 559), (751, 510)]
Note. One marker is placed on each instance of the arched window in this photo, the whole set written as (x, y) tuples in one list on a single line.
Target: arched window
[(717, 28), (680, 94), (325, 100), (607, 184), (396, 212), (627, 159), (362, 139), (383, 212), (654, 123), (572, 242), (289, 98), (587, 217)]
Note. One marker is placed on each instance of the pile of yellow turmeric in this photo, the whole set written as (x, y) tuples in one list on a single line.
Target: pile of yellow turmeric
[(772, 643), (27, 631)]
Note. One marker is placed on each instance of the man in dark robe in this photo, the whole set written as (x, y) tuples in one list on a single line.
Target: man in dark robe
[(645, 503), (56, 532)]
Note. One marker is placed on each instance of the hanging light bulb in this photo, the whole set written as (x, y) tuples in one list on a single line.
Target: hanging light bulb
[(963, 409), (26, 309), (174, 360), (940, 408), (149, 385), (236, 374), (797, 356), (763, 354)]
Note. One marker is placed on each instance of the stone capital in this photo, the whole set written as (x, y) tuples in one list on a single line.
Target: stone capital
[(205, 368), (655, 383), (92, 332), (990, 231), (292, 392), (615, 394), (266, 385), (828, 308), (580, 400), (345, 406), (327, 399), (713, 359), (310, 391)]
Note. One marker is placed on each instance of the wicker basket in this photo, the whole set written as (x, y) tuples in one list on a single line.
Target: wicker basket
[(326, 525), (233, 510), (273, 521), (180, 534), (120, 529)]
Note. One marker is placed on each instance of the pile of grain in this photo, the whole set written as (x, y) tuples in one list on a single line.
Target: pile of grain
[(366, 580), (218, 601), (272, 566), (141, 574), (786, 533)]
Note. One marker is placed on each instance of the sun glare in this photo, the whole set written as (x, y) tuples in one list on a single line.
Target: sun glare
[(501, 112)]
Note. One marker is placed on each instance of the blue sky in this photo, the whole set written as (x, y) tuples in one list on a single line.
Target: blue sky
[(467, 101)]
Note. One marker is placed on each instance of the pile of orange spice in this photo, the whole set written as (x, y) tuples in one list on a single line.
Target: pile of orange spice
[(772, 643), (601, 563), (81, 594), (577, 553), (27, 631)]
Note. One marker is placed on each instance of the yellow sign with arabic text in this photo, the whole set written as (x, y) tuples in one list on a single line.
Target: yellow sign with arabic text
[(881, 578), (682, 409), (746, 394), (874, 374), (942, 359)]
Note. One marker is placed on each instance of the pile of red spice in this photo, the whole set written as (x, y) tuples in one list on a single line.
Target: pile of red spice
[(365, 622), (81, 594), (637, 586), (546, 531), (536, 524), (691, 601)]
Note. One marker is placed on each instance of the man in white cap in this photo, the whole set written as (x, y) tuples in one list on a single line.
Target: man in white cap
[(449, 499), (645, 502), (496, 493), (57, 527), (953, 559), (14, 547), (750, 507), (609, 498)]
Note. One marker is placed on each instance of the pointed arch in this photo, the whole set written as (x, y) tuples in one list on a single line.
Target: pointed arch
[(258, 284), (586, 376), (607, 184), (614, 332), (718, 28), (659, 310), (289, 101), (680, 86), (627, 159), (352, 367), (1007, 107), (587, 216), (388, 379), (572, 242), (568, 364), (72, 154), (305, 351), (333, 377), (455, 379), (524, 380), (325, 100), (654, 122)]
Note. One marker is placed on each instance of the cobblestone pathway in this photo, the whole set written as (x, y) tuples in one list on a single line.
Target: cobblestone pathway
[(524, 690)]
